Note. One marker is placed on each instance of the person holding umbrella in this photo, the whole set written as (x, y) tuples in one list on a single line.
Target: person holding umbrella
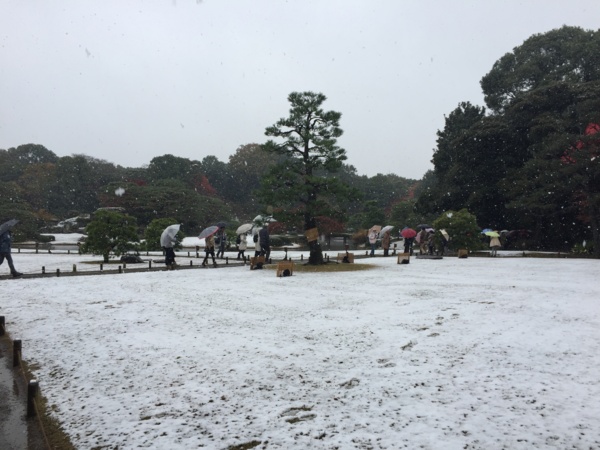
[(5, 246), (372, 240), (242, 246), (221, 240), (495, 243), (265, 241), (209, 243), (409, 237), (168, 242), (385, 242), (209, 249), (422, 240)]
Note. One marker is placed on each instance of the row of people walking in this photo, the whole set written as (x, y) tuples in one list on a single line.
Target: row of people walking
[(261, 239)]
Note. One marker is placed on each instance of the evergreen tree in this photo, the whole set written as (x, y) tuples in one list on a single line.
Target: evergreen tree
[(110, 232), (304, 185)]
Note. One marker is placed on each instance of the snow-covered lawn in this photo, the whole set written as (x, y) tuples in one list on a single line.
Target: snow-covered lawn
[(477, 353)]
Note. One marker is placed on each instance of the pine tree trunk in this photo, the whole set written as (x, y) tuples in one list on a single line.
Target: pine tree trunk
[(316, 253)]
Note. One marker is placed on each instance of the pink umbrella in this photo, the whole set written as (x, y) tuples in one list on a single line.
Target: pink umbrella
[(208, 232)]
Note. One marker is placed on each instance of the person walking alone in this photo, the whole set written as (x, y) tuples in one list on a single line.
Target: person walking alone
[(5, 253)]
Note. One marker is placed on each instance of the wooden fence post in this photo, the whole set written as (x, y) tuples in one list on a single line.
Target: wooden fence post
[(43, 270), (32, 389), (120, 269), (16, 352), (2, 326), (74, 268), (149, 264), (58, 272)]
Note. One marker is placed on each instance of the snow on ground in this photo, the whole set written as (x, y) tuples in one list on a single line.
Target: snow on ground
[(474, 353)]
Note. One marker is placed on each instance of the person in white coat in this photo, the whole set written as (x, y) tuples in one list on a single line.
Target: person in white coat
[(257, 247), (242, 246)]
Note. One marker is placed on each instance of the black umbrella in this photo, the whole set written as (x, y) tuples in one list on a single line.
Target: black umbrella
[(221, 224), (8, 225), (423, 226)]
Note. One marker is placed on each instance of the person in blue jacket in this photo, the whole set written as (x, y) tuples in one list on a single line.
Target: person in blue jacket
[(5, 244)]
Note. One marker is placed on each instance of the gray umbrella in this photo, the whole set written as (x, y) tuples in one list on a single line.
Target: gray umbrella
[(8, 225)]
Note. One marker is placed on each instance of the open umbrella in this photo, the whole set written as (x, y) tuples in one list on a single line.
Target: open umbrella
[(168, 235), (423, 226), (260, 219), (244, 228), (375, 228), (408, 233), (445, 234), (492, 234), (208, 232), (8, 225), (386, 229), (485, 230), (221, 224)]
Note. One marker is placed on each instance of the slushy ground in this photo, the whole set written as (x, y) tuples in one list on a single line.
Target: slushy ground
[(454, 353)]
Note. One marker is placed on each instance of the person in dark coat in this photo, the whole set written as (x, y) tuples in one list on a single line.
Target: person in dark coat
[(170, 254), (408, 245), (5, 249), (265, 242), (221, 242)]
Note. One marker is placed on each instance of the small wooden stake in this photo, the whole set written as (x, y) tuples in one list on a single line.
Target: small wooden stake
[(32, 389), (16, 352)]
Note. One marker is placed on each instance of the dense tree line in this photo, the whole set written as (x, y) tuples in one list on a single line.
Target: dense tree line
[(39, 188), (530, 159)]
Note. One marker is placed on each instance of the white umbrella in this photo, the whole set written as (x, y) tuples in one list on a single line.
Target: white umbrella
[(244, 228), (375, 228), (167, 237), (386, 229), (260, 219)]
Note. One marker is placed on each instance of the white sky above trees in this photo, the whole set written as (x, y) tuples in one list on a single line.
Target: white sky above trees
[(126, 81)]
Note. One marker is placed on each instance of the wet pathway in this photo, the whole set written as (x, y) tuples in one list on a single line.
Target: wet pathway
[(13, 422), (16, 431)]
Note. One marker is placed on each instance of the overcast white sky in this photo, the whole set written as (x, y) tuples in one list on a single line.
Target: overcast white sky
[(128, 80)]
